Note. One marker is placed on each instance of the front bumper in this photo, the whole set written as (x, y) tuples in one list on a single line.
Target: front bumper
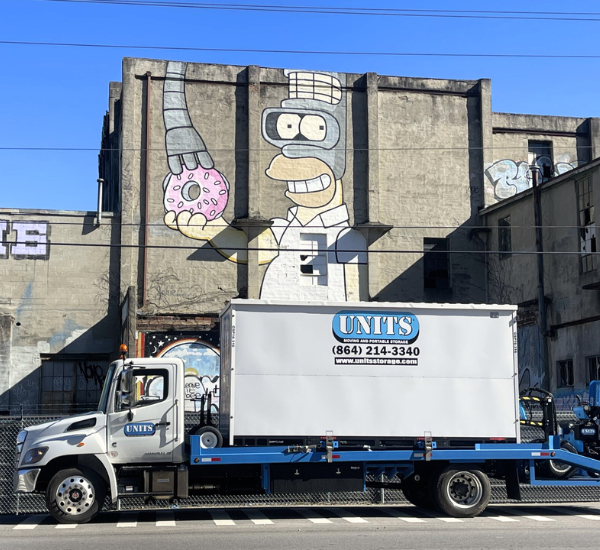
[(25, 480)]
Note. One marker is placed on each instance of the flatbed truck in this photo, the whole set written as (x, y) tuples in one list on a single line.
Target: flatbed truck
[(314, 398)]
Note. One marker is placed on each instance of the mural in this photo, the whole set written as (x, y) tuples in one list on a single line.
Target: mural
[(202, 360), (510, 177), (31, 240), (312, 253)]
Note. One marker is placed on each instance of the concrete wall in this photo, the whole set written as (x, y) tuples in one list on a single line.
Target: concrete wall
[(572, 310), (55, 298), (573, 142), (401, 161)]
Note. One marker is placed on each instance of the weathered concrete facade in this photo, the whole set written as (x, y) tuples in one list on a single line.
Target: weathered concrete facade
[(57, 311), (281, 184), (571, 281)]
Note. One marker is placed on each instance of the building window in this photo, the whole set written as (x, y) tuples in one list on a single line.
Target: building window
[(504, 238), (436, 263), (587, 227), (540, 154), (313, 259), (565, 373), (58, 386), (593, 364)]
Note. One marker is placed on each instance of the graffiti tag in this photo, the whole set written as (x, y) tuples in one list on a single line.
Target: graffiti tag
[(31, 240)]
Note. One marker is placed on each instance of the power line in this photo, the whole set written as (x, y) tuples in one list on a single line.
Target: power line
[(362, 11), (270, 151), (303, 250), (294, 52), (266, 225)]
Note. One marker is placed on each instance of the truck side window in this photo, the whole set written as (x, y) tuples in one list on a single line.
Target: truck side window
[(150, 386)]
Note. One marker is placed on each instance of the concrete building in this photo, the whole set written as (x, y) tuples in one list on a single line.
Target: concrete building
[(565, 356), (256, 182)]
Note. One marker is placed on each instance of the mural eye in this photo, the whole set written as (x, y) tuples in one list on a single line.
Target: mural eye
[(288, 125), (313, 128)]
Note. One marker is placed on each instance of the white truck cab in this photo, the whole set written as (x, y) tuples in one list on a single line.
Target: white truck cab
[(139, 421)]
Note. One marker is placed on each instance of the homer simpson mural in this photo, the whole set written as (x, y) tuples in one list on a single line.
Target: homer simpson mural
[(312, 253)]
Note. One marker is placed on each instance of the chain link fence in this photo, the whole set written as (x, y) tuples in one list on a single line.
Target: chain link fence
[(11, 503)]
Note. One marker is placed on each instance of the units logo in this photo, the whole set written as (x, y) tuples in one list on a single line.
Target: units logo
[(377, 327), (136, 429)]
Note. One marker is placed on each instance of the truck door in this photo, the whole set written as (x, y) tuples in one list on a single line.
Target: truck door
[(146, 430)]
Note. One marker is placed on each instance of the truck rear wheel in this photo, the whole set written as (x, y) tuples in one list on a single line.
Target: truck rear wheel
[(461, 491), (75, 495)]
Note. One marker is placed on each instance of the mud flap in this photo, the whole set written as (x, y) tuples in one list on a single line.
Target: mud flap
[(511, 474)]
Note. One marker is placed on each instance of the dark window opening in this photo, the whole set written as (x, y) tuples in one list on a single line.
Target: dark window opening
[(593, 364), (565, 373), (436, 263), (504, 238), (587, 227), (540, 154)]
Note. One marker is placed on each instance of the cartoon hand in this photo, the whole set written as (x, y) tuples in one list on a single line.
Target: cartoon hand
[(196, 226)]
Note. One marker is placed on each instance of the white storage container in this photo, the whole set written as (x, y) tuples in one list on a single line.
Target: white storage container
[(368, 369)]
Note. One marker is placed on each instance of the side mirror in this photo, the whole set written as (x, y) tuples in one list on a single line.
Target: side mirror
[(127, 381)]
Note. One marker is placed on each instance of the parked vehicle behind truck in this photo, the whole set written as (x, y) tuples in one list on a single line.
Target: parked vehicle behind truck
[(314, 397)]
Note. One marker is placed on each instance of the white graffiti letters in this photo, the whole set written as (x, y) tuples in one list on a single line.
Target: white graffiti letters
[(30, 242)]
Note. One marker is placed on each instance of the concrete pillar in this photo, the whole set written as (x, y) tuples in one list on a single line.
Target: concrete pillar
[(594, 138), (6, 322), (254, 141), (487, 136), (373, 144), (373, 181), (254, 224)]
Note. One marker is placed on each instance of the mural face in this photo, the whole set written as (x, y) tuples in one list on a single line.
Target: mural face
[(30, 243), (509, 177), (312, 252), (202, 361)]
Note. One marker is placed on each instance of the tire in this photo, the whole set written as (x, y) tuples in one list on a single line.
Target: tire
[(210, 437), (75, 495), (417, 492), (556, 469), (461, 491)]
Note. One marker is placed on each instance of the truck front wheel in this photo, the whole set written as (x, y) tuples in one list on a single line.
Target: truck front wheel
[(75, 495), (461, 492)]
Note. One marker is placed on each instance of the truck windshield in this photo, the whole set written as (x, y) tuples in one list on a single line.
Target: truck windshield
[(102, 406)]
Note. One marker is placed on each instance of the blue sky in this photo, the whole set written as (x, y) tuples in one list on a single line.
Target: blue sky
[(56, 96)]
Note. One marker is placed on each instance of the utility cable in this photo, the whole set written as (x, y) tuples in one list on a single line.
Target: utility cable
[(332, 10), (298, 52)]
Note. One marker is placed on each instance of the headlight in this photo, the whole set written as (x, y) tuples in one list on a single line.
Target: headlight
[(32, 456)]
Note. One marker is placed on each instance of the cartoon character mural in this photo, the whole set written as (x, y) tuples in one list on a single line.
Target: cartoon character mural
[(510, 177), (202, 359), (312, 253)]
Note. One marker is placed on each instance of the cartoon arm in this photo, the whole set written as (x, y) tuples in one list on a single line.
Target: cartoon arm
[(228, 241), (195, 193)]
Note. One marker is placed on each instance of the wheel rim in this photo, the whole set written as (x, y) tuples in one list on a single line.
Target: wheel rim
[(75, 495), (464, 489), (208, 440)]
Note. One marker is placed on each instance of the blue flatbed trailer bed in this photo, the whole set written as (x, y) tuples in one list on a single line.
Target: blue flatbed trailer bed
[(395, 461)]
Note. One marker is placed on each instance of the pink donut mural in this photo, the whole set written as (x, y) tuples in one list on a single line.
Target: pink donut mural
[(197, 191)]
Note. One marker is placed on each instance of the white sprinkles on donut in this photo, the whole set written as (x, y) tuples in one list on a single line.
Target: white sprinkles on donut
[(191, 196)]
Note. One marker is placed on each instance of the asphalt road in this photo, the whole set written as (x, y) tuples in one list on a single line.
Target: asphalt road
[(365, 528)]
